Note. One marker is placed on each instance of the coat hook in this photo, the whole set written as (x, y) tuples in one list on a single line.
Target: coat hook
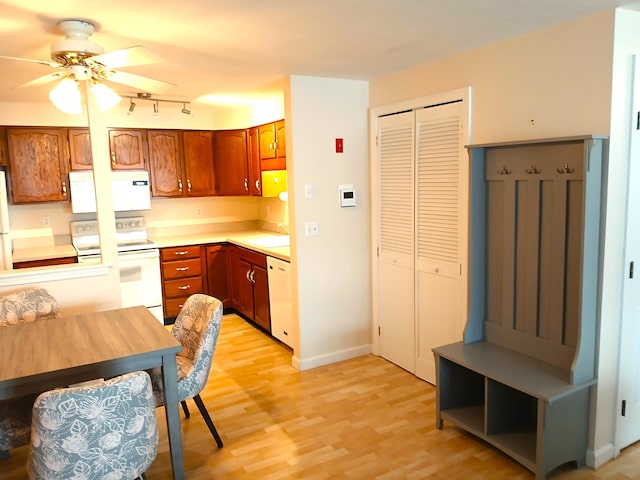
[(504, 171), (533, 170), (565, 169)]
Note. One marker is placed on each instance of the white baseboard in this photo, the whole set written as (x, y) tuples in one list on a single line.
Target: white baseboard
[(597, 458), (331, 357)]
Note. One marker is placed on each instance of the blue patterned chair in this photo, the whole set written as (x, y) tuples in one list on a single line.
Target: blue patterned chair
[(27, 305), (196, 328), (105, 430)]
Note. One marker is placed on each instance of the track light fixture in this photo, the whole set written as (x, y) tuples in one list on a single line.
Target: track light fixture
[(156, 104)]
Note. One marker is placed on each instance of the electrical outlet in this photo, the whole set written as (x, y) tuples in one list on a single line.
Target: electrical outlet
[(46, 221), (311, 229)]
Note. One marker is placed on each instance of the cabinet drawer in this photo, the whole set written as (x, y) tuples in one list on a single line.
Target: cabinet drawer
[(185, 268), (182, 287), (179, 253), (172, 306)]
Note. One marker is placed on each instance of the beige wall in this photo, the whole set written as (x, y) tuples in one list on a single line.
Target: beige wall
[(570, 79), (333, 271)]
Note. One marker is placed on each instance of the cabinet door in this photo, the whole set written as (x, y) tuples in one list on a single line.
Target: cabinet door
[(243, 288), (261, 297), (4, 152), (198, 163), (273, 146), (37, 165), (127, 149), (165, 163), (230, 160), (253, 160), (281, 143), (80, 149), (217, 273)]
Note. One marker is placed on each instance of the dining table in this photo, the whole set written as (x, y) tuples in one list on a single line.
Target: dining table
[(47, 354)]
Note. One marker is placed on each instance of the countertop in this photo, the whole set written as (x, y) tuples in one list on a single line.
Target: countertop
[(242, 238)]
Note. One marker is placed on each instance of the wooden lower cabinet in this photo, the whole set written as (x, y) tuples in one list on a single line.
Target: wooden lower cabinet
[(218, 273), (183, 274), (250, 288)]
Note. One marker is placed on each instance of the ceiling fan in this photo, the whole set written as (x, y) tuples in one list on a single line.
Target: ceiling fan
[(78, 58)]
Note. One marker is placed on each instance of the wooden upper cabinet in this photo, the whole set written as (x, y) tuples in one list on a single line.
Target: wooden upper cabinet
[(230, 161), (273, 149), (127, 148), (80, 156), (4, 149), (165, 162), (253, 162), (198, 163), (38, 164)]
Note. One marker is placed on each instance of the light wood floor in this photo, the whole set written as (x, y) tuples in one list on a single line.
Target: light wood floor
[(360, 419)]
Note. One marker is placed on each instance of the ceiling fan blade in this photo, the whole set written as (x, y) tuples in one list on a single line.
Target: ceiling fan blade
[(44, 79), (139, 82), (128, 57), (41, 62)]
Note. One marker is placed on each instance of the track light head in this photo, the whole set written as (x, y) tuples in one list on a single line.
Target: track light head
[(132, 107)]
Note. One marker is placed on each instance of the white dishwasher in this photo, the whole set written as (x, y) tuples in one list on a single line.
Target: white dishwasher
[(279, 275)]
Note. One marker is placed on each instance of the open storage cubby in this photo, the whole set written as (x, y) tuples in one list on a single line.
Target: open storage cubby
[(520, 379)]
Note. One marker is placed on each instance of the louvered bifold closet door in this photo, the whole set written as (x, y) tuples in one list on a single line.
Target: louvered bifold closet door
[(439, 203), (395, 286)]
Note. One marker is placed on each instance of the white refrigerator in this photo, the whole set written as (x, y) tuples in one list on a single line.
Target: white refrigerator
[(5, 238)]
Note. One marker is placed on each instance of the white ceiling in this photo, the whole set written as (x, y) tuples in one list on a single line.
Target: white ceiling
[(246, 47)]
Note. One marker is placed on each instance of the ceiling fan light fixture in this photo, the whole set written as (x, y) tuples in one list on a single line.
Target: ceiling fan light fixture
[(106, 98), (66, 96)]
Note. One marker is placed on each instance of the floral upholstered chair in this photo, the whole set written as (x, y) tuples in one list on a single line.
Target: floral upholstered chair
[(196, 328), (27, 305), (104, 430)]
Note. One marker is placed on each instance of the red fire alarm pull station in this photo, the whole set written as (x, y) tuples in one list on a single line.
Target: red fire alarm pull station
[(338, 145)]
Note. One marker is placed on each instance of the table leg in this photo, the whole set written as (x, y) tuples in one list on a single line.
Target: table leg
[(169, 378)]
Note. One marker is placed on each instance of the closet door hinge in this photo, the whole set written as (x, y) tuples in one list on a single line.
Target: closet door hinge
[(377, 251), (378, 330), (637, 120), (624, 408), (630, 269)]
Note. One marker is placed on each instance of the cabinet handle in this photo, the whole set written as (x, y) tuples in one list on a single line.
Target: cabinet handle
[(64, 188), (257, 184), (188, 185), (184, 287), (113, 158), (246, 184), (182, 269), (180, 185), (253, 280), (565, 169), (181, 252), (247, 275)]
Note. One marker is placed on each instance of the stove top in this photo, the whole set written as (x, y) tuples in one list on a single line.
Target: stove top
[(131, 235)]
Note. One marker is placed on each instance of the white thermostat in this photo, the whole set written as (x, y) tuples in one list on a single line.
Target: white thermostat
[(347, 195)]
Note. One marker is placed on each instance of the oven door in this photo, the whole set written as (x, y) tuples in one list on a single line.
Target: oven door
[(140, 282)]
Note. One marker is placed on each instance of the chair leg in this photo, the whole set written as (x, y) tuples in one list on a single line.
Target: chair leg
[(207, 419), (185, 409)]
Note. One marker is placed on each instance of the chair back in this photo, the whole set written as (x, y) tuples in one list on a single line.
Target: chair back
[(103, 430), (27, 305), (196, 328)]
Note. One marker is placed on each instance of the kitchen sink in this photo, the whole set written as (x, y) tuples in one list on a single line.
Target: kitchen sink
[(270, 241)]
